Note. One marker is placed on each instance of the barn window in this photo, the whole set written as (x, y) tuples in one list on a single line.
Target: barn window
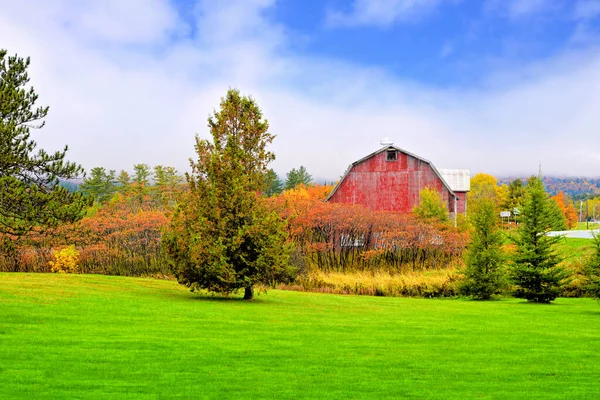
[(392, 155)]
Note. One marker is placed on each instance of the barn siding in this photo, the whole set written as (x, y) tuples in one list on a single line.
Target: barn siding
[(390, 185), (461, 206)]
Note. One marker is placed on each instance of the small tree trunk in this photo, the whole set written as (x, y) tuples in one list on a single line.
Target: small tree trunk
[(249, 293)]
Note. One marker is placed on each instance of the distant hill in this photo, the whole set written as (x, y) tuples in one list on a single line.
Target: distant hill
[(575, 187), (71, 185)]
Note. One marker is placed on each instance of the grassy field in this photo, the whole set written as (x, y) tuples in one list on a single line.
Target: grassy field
[(586, 225), (573, 249), (84, 336)]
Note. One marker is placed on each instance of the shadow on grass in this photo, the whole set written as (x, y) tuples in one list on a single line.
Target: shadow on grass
[(595, 313), (536, 304), (236, 298)]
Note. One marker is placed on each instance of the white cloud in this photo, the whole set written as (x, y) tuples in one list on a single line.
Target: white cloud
[(587, 9), (133, 95), (381, 12), (519, 9), (447, 50)]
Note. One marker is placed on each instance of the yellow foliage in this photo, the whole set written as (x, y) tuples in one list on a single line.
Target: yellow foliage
[(299, 192), (308, 192), (65, 260), (433, 283), (485, 186)]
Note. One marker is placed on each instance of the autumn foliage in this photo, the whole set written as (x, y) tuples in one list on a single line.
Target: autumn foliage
[(567, 209), (65, 260), (121, 237), (343, 237)]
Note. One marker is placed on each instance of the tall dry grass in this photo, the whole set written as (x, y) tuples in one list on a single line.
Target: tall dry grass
[(431, 283)]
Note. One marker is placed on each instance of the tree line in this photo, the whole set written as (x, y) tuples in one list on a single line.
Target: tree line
[(511, 197), (100, 184), (577, 188)]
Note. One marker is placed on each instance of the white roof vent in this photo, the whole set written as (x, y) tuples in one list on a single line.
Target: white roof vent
[(386, 141)]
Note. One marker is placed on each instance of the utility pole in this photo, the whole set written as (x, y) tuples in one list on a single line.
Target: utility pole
[(580, 210), (587, 214)]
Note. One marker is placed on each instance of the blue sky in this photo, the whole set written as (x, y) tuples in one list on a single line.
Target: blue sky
[(495, 86), (445, 44)]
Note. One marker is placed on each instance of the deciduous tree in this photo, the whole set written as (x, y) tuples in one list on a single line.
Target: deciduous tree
[(431, 208), (485, 186), (223, 237), (567, 209)]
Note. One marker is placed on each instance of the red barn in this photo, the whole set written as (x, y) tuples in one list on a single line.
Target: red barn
[(391, 178)]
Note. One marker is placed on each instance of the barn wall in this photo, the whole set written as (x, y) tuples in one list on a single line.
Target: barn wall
[(461, 206), (389, 185)]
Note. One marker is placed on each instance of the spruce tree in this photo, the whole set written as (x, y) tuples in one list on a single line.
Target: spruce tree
[(167, 184), (484, 273), (100, 185), (30, 194), (223, 237), (274, 184), (559, 221), (536, 271), (593, 269), (297, 177), (124, 182), (141, 181)]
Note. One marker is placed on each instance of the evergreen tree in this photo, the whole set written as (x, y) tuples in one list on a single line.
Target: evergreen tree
[(30, 194), (431, 208), (160, 176), (514, 199), (558, 219), (124, 182), (484, 274), (593, 269), (516, 195), (141, 180), (274, 184), (166, 185), (535, 270), (100, 186), (223, 237), (297, 177), (141, 174)]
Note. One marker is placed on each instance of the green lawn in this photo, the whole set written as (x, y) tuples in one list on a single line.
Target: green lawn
[(84, 336), (581, 226), (574, 249)]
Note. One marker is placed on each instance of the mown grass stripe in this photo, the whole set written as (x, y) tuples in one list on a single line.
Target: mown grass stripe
[(113, 337)]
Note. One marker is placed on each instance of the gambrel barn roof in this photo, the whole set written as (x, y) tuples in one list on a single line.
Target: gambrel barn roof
[(392, 147)]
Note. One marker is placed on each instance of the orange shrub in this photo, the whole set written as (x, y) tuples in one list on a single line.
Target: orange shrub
[(342, 237)]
